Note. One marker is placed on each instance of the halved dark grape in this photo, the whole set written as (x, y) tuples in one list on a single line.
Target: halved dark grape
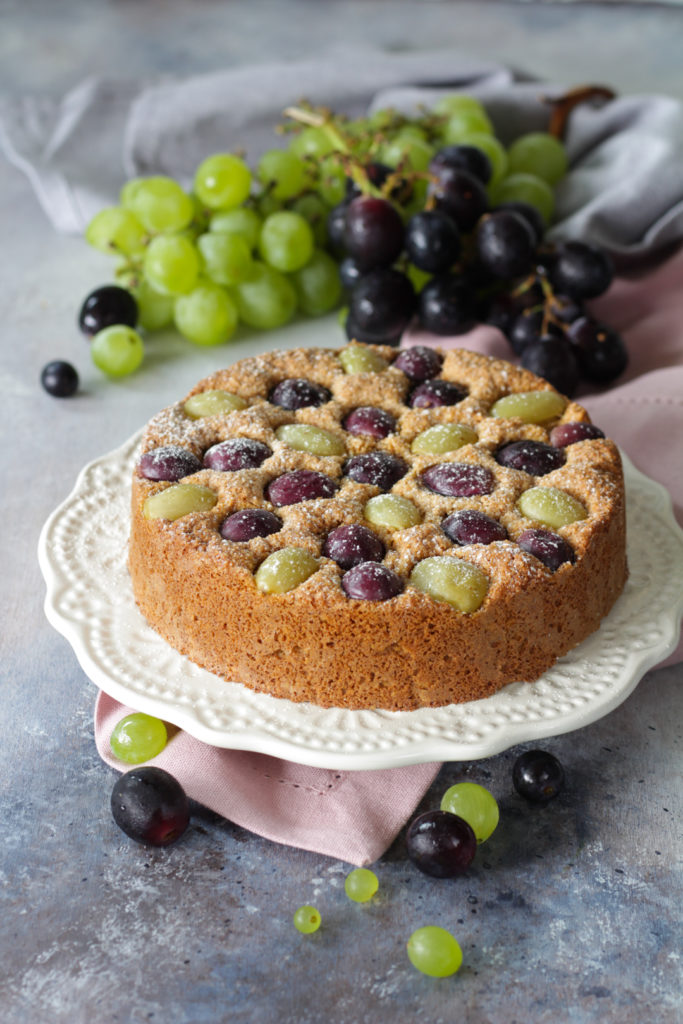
[(600, 350), (459, 194), (565, 434), (300, 485), (419, 362), (441, 844), (534, 457), (150, 806), (298, 393), (249, 523), (434, 393), (432, 241), (352, 544), (59, 379), (458, 479), (547, 547), (537, 776), (236, 453), (105, 307), (383, 302), (581, 271), (373, 234), (378, 468), (553, 359), (169, 462), (463, 158), (505, 244), (369, 421), (468, 526), (371, 581), (447, 306)]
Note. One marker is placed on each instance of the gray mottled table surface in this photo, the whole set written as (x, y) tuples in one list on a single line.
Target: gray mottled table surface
[(571, 913)]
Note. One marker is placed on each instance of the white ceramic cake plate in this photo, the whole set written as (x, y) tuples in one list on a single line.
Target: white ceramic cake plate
[(82, 553)]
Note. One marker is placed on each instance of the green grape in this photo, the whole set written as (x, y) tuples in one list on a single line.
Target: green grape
[(331, 181), (206, 315), (495, 151), (540, 154), (434, 951), (526, 188), (442, 438), (361, 885), (392, 511), (458, 103), (286, 241), (267, 204), (154, 309), (317, 285), (453, 580), (243, 221), (227, 257), (475, 805), (315, 212), (137, 738), (530, 406), (128, 191), (313, 142), (160, 205), (304, 437), (284, 570), (179, 500), (115, 230), (550, 506), (267, 299), (222, 181), (282, 172), (171, 264), (306, 920), (408, 150), (212, 403), (117, 350), (359, 359)]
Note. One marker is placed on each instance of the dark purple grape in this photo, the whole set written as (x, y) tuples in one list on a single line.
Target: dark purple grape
[(565, 309), (59, 379), (553, 359), (170, 462), (530, 214), (447, 306), (298, 393), (369, 421), (431, 394), (432, 241), (356, 333), (530, 325), (419, 362), (537, 776), (441, 844), (463, 158), (300, 485), (533, 457), (383, 302), (565, 434), (378, 468), (581, 271), (468, 526), (370, 581), (600, 351), (352, 544), (249, 523), (458, 479), (547, 547), (105, 307), (349, 273), (505, 244), (373, 235), (236, 453), (150, 806), (459, 194), (336, 226)]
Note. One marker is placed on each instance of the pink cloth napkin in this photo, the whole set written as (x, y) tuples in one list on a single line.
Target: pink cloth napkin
[(354, 816)]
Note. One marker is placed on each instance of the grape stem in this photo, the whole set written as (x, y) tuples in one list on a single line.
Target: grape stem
[(562, 106)]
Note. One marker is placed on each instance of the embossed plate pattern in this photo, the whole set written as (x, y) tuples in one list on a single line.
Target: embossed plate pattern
[(82, 553)]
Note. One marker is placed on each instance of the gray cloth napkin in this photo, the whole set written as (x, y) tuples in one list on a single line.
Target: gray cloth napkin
[(624, 190)]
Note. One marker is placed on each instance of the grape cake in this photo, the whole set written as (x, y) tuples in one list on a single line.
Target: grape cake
[(370, 527)]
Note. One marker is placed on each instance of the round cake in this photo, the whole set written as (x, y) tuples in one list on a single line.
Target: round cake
[(376, 528)]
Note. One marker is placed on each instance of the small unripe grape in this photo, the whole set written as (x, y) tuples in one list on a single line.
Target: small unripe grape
[(551, 506), (530, 406), (453, 580), (284, 570), (117, 351), (212, 403), (434, 951), (361, 885), (476, 805), (306, 920), (442, 438), (222, 181), (137, 738), (306, 438), (358, 359), (392, 511), (179, 500)]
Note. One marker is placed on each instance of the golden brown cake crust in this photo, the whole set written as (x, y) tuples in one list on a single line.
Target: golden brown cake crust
[(315, 644)]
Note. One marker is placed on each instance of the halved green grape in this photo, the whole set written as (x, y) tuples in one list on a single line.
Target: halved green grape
[(227, 257), (284, 570), (443, 437), (476, 805), (212, 403), (171, 264), (315, 212), (154, 309), (160, 204), (359, 359), (495, 151), (538, 153), (286, 241), (222, 181), (453, 580), (267, 299), (179, 500), (360, 885), (306, 920), (392, 511), (312, 142), (550, 506), (526, 188), (117, 350), (318, 286), (206, 315), (530, 406), (282, 172), (306, 438), (115, 230), (137, 738), (434, 951), (243, 221)]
